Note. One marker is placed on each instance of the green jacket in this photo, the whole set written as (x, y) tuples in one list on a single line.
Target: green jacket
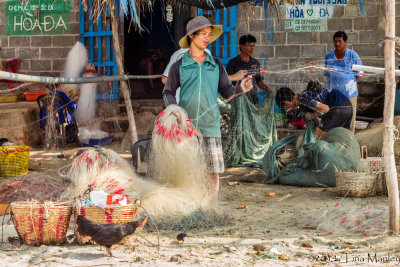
[(199, 85)]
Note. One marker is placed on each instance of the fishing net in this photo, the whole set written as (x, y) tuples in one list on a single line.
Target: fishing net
[(174, 188), (247, 130), (38, 186), (101, 168), (372, 137), (176, 158), (340, 221)]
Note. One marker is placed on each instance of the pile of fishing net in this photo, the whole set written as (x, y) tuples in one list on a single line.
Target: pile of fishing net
[(372, 137), (247, 130), (175, 190), (38, 186), (317, 161), (340, 221)]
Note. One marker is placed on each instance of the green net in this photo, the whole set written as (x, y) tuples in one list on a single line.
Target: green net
[(317, 162), (248, 130)]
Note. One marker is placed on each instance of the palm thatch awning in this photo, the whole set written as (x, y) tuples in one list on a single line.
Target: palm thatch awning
[(211, 4)]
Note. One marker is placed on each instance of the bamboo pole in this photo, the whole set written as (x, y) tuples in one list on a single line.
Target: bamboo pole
[(120, 66), (388, 113)]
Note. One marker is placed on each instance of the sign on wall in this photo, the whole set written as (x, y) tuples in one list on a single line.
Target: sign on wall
[(38, 17), (310, 15)]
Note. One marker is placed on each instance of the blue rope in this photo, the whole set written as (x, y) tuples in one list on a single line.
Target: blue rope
[(269, 30), (362, 7)]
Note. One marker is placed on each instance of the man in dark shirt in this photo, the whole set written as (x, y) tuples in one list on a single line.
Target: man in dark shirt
[(245, 61), (334, 108)]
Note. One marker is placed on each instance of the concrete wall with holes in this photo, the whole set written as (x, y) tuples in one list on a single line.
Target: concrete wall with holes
[(287, 51)]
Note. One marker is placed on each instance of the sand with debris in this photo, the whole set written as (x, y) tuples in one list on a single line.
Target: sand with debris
[(290, 227)]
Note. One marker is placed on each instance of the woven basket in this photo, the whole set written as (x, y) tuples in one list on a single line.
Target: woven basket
[(117, 214), (41, 224), (10, 98), (14, 160), (356, 184)]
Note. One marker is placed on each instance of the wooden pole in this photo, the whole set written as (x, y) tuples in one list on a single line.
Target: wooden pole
[(388, 113), (120, 66)]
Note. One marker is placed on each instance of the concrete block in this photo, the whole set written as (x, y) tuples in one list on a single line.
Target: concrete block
[(276, 64), (34, 73), (313, 50), (280, 38), (366, 49), (28, 53), (338, 12), (375, 62), (64, 41), (288, 51), (257, 26), (351, 11), (4, 41), (8, 53), (58, 65), (299, 37), (257, 12), (24, 65), (315, 37), (377, 10), (326, 37), (19, 41), (280, 25), (268, 50), (49, 73), (54, 53), (243, 27), (369, 23), (40, 65), (397, 28), (340, 24), (74, 28), (3, 17), (41, 41), (371, 36), (352, 37)]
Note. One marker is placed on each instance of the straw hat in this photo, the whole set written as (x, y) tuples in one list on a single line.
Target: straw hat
[(196, 24)]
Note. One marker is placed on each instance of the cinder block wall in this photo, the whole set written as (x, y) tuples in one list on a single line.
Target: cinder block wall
[(42, 55), (291, 51)]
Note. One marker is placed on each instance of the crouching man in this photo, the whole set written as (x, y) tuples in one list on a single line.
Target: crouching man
[(333, 107)]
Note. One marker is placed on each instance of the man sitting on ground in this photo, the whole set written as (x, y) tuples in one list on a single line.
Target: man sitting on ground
[(334, 108)]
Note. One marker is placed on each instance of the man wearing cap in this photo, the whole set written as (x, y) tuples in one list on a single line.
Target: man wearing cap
[(200, 77)]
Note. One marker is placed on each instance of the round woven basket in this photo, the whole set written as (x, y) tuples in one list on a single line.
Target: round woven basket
[(117, 214), (41, 224), (356, 184)]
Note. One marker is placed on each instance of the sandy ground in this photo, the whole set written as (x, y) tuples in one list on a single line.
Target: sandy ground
[(295, 227)]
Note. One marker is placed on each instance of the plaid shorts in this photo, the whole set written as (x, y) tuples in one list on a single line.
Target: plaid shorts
[(212, 148)]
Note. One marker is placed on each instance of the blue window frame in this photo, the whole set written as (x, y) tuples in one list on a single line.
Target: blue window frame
[(225, 47), (97, 37)]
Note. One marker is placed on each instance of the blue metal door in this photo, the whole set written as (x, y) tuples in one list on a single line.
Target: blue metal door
[(97, 37), (224, 47)]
